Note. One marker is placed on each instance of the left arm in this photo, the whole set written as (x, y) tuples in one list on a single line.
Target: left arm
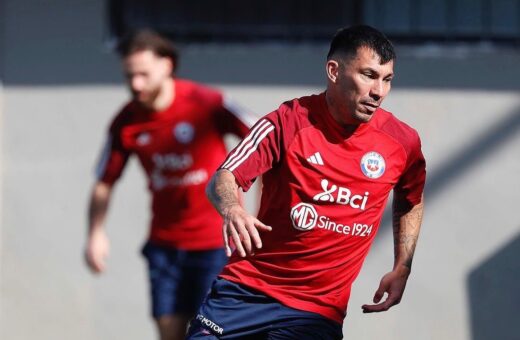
[(406, 226)]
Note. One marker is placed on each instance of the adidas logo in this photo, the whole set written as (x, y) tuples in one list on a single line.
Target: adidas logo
[(315, 159)]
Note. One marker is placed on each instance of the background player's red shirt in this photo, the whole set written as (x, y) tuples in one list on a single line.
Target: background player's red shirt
[(324, 197), (179, 149)]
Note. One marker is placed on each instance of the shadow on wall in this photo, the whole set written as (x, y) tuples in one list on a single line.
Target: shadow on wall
[(494, 295), (465, 159)]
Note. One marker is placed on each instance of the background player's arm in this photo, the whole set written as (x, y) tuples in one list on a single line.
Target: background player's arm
[(97, 248), (238, 224), (406, 226)]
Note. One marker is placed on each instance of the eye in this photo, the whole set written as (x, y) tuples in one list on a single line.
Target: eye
[(370, 74)]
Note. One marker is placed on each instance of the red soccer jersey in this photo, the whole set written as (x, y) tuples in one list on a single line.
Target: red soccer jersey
[(179, 149), (324, 196)]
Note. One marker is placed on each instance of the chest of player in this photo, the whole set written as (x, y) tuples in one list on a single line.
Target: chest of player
[(356, 172), (176, 144)]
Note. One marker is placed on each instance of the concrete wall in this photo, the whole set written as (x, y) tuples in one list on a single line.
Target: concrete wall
[(61, 88)]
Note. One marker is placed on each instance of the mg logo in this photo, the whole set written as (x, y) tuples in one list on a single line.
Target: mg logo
[(304, 216)]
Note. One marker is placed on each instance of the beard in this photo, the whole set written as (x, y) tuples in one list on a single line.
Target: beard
[(145, 98), (362, 116), (364, 110)]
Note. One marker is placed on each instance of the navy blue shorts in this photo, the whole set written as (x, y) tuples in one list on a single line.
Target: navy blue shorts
[(180, 279), (232, 311)]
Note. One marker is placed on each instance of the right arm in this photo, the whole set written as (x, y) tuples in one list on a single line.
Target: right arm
[(242, 227), (97, 248), (110, 167)]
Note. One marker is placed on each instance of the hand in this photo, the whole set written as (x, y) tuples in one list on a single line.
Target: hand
[(243, 229), (393, 283), (97, 251)]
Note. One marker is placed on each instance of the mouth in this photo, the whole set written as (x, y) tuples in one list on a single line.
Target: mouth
[(140, 96), (370, 107)]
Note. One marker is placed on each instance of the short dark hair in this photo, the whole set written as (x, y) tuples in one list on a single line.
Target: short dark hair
[(148, 40), (349, 39)]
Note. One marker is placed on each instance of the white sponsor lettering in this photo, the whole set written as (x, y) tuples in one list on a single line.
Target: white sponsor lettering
[(341, 195), (357, 229), (305, 217), (327, 224), (172, 161), (195, 177), (210, 324)]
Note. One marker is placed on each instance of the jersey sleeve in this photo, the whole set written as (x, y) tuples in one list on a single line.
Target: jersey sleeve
[(113, 157), (233, 118), (258, 152), (409, 189)]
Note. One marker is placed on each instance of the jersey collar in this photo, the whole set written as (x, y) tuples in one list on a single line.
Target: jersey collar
[(334, 127)]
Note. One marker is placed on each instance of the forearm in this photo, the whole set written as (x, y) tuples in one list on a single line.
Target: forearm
[(98, 207), (406, 226), (222, 191)]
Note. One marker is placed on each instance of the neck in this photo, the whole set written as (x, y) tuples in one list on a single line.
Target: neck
[(165, 97), (335, 111)]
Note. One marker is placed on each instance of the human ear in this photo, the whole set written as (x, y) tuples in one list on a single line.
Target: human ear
[(332, 68), (168, 66)]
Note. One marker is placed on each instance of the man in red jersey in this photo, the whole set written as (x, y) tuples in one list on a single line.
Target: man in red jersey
[(328, 163), (175, 127)]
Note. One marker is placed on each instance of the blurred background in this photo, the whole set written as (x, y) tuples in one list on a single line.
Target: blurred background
[(457, 82)]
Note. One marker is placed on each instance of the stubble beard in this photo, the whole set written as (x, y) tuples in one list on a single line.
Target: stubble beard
[(149, 99), (362, 117)]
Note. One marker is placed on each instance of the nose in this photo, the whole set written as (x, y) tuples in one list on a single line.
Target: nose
[(136, 83), (377, 90)]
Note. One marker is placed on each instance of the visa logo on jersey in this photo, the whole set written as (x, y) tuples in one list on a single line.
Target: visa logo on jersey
[(340, 195)]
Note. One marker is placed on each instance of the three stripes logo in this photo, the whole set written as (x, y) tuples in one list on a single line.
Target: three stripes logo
[(248, 145), (315, 159)]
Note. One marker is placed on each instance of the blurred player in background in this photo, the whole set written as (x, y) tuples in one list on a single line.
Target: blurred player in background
[(175, 127), (328, 164)]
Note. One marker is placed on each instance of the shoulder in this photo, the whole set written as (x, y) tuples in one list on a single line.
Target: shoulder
[(298, 110), (292, 116), (398, 130), (124, 116), (201, 93)]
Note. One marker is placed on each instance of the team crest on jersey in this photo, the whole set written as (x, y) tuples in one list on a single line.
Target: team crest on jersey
[(184, 132), (373, 165)]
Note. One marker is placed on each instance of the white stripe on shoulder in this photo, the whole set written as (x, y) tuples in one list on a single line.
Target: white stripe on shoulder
[(247, 141), (251, 150), (103, 162), (246, 116), (249, 144)]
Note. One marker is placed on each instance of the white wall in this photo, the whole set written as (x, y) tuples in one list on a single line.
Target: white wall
[(61, 89)]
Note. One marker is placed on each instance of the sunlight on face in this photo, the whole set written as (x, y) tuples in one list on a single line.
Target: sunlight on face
[(358, 85), (145, 74)]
